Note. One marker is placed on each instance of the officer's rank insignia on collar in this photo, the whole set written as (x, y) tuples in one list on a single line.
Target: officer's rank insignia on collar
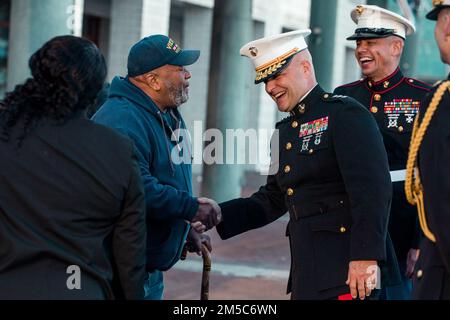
[(398, 107), (313, 129)]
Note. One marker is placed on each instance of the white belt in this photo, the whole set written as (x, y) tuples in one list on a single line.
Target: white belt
[(398, 175)]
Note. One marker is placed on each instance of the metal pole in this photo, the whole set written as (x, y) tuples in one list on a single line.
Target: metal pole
[(322, 39), (32, 24), (228, 94)]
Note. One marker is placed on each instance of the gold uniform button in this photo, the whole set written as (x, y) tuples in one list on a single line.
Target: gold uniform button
[(374, 109), (311, 151), (411, 80), (377, 97), (326, 95), (288, 146), (342, 230), (400, 129), (287, 169), (419, 274), (290, 192), (294, 124)]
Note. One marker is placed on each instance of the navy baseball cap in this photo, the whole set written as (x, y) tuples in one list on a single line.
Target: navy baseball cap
[(156, 51)]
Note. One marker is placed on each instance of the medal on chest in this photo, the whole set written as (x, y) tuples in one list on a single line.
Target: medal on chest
[(312, 132), (398, 108)]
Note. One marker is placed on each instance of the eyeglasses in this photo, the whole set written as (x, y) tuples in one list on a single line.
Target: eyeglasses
[(377, 31)]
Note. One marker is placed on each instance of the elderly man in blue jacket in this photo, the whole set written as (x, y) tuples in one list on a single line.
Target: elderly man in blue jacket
[(144, 107)]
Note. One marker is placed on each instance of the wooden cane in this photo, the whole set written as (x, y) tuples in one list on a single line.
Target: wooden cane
[(206, 255)]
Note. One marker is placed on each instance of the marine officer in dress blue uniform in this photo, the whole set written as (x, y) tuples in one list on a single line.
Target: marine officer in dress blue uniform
[(429, 188), (333, 178), (394, 101)]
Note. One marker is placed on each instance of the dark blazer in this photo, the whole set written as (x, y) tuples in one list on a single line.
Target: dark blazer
[(71, 195), (432, 276), (333, 178), (394, 103)]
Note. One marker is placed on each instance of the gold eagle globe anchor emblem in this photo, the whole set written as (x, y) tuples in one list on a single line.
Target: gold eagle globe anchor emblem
[(253, 51)]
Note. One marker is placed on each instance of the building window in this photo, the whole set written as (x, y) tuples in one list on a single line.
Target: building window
[(97, 24), (176, 22)]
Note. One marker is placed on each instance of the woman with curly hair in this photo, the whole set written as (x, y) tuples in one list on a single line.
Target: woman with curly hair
[(71, 200)]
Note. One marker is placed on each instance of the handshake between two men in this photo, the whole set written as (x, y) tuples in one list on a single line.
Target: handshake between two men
[(208, 215)]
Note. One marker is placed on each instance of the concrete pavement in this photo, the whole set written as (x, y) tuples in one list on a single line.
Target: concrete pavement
[(254, 265)]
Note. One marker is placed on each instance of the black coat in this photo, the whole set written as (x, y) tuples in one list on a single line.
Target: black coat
[(333, 178), (432, 276), (394, 103), (71, 195)]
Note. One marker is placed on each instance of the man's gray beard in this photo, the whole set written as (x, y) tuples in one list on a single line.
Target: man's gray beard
[(177, 95)]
